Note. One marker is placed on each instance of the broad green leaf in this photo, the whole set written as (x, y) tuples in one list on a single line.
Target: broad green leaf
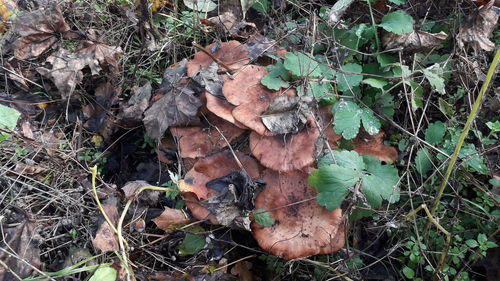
[(192, 244), (481, 238), (417, 95), (276, 78), (8, 117), (471, 243), (408, 272), (435, 132), (385, 59), (398, 2), (445, 107), (376, 82), (346, 81), (200, 5), (327, 71), (334, 181), (434, 74), (348, 116), (349, 159), (494, 182), (398, 22), (263, 218), (494, 126), (263, 6), (104, 274), (299, 64), (423, 161), (320, 90), (380, 182)]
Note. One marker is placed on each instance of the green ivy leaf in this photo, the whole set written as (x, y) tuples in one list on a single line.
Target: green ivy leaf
[(435, 132), (380, 182), (332, 183), (408, 272), (347, 81), (398, 22), (423, 161), (348, 116), (192, 244), (299, 64), (434, 74), (276, 78), (104, 274), (263, 218)]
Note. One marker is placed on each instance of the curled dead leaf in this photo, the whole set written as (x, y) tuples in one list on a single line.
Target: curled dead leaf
[(105, 239), (413, 41), (170, 218), (479, 26)]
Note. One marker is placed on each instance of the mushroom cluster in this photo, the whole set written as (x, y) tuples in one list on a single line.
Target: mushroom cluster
[(239, 159)]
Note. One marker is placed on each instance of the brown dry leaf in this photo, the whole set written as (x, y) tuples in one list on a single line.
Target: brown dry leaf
[(302, 227), (38, 30), (107, 56), (105, 239), (97, 114), (66, 71), (365, 143), (131, 112), (243, 270), (17, 238), (150, 197), (478, 27), (51, 141), (413, 41), (170, 218), (25, 169)]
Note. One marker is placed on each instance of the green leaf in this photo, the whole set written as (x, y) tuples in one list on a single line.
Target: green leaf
[(276, 78), (398, 2), (349, 159), (263, 6), (8, 117), (445, 107), (481, 238), (434, 74), (408, 272), (472, 243), (376, 82), (192, 244), (423, 161), (494, 127), (332, 183), (380, 182), (435, 132), (494, 182), (347, 118), (200, 5), (490, 244), (321, 90), (398, 22), (263, 218), (347, 81), (385, 59), (299, 64), (104, 274)]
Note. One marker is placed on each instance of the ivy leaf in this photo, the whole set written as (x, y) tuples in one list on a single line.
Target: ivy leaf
[(332, 183), (380, 182), (104, 274), (435, 132), (263, 218), (301, 65), (434, 74), (276, 78), (192, 244), (398, 22), (347, 118), (423, 161), (347, 81)]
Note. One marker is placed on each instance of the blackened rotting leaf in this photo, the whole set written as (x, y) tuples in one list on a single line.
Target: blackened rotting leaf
[(172, 76), (210, 80), (235, 198), (286, 115), (17, 240), (98, 120)]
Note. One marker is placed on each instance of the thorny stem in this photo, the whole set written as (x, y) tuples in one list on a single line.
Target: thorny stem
[(432, 220), (470, 119)]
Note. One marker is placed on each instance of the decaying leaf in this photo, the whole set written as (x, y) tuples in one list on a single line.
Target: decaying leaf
[(413, 41), (105, 239), (132, 111), (365, 143), (170, 218), (97, 114), (479, 26), (25, 169), (286, 115), (131, 189), (338, 10), (51, 141), (210, 80), (38, 30), (17, 238), (228, 23), (66, 71), (243, 270), (107, 56)]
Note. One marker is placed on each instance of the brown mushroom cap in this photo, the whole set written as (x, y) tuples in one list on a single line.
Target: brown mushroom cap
[(223, 109), (198, 141), (287, 152), (374, 145), (207, 169), (302, 227), (231, 53)]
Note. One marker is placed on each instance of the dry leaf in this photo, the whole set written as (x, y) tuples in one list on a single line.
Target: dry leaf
[(105, 239), (243, 270), (66, 70), (25, 169), (97, 114), (17, 239), (51, 141), (38, 31), (413, 41), (132, 111), (170, 218), (107, 56), (478, 27), (150, 197)]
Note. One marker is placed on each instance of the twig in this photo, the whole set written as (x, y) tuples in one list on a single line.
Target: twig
[(216, 60)]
